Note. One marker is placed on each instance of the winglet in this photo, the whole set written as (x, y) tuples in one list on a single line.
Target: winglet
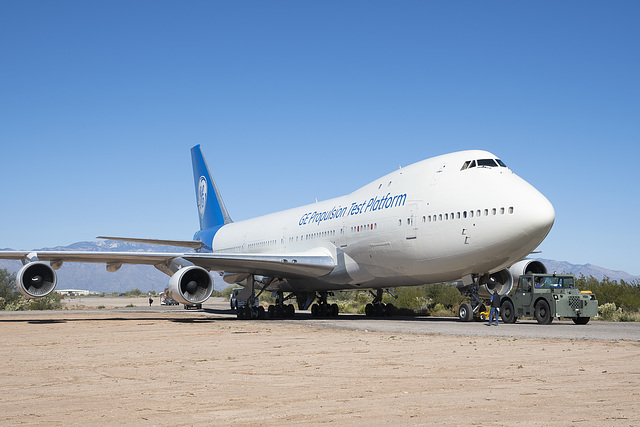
[(211, 209)]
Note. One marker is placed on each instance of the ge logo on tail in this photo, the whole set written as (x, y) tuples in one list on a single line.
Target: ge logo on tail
[(202, 195)]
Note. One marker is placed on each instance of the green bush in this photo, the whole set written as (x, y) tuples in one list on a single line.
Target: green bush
[(625, 295), (609, 311)]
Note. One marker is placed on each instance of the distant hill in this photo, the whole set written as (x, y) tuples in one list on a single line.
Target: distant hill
[(587, 270), (95, 277)]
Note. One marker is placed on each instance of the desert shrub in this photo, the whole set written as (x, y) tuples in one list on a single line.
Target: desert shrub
[(624, 294), (609, 311)]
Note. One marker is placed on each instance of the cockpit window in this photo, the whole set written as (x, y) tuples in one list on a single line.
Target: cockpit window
[(468, 164), (483, 163), (490, 163)]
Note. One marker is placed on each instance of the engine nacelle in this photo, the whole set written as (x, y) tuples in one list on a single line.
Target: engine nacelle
[(190, 285), (527, 266), (36, 280), (501, 281)]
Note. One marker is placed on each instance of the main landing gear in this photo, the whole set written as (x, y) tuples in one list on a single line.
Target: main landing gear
[(322, 308), (280, 310), (247, 302), (377, 308)]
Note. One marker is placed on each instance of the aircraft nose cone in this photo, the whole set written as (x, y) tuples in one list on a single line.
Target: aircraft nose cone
[(541, 216)]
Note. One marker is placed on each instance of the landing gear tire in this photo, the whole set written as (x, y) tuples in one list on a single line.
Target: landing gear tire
[(246, 313), (507, 313), (465, 312), (281, 311), (334, 310), (324, 310), (542, 313), (379, 310), (290, 310), (389, 310), (368, 310), (581, 320)]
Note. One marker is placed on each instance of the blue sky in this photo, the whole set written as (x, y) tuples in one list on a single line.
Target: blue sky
[(100, 103)]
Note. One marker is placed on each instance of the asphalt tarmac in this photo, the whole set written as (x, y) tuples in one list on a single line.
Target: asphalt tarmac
[(448, 326)]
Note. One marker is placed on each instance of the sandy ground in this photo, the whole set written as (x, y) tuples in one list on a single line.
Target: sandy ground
[(106, 367)]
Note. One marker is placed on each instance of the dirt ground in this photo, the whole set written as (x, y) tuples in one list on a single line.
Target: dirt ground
[(171, 368)]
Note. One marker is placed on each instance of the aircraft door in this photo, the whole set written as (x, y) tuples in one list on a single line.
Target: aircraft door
[(342, 237), (412, 222), (284, 242)]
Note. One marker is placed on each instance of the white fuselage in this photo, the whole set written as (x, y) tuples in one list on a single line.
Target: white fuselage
[(430, 222)]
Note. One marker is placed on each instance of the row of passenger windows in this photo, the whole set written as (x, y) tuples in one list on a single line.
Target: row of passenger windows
[(467, 214), (303, 237), (263, 244), (374, 226), (366, 227)]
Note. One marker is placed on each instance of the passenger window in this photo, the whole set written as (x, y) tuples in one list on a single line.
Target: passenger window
[(511, 210), (493, 211)]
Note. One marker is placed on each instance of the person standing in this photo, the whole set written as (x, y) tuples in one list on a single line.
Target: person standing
[(495, 307)]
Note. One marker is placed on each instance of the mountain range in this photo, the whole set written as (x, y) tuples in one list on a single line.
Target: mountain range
[(95, 277)]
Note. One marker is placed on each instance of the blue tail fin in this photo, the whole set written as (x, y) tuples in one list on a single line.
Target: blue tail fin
[(211, 209)]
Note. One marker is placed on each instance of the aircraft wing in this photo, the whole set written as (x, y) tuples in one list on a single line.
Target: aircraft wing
[(307, 264)]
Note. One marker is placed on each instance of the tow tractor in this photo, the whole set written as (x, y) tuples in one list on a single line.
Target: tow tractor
[(535, 294), (547, 296)]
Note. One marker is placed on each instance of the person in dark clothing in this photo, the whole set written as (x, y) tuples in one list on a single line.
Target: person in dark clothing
[(495, 308), (150, 302)]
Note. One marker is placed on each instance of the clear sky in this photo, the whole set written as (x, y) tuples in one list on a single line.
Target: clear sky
[(100, 103)]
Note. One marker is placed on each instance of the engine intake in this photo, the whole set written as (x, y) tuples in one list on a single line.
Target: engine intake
[(190, 285), (502, 281), (36, 280), (527, 266)]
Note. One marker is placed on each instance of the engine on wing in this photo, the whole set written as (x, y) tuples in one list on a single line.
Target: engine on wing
[(36, 280), (527, 266), (190, 285), (502, 281)]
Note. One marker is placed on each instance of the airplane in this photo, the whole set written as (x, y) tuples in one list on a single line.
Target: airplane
[(463, 217)]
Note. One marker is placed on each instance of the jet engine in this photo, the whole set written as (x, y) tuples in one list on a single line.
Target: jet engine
[(527, 266), (36, 280), (190, 285), (502, 281)]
